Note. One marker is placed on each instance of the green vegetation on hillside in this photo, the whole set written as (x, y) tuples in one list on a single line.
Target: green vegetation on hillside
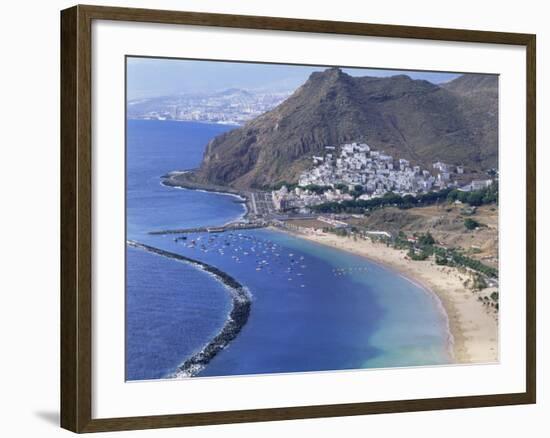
[(471, 224), (425, 246), (474, 198)]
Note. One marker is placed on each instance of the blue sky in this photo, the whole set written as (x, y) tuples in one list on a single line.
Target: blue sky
[(151, 77)]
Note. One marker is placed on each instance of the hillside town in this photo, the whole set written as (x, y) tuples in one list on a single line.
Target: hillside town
[(356, 171)]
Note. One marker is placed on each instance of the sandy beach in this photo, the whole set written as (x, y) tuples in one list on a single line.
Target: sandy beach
[(473, 327)]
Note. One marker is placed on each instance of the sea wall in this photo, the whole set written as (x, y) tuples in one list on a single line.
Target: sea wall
[(184, 180), (241, 304)]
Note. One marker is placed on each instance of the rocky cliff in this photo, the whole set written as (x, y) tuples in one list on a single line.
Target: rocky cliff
[(413, 119)]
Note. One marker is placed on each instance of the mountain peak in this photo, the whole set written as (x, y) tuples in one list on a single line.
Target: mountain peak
[(233, 91), (471, 83), (331, 74), (334, 72), (406, 118), (401, 77)]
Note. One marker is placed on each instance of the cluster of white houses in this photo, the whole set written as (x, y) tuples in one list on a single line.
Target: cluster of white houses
[(341, 169)]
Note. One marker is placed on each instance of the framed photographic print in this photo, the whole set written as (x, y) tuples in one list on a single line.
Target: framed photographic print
[(268, 218)]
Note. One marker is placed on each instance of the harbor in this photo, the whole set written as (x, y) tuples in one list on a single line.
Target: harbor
[(221, 229)]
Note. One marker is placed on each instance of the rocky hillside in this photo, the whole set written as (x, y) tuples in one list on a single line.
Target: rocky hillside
[(479, 106), (446, 224), (412, 119)]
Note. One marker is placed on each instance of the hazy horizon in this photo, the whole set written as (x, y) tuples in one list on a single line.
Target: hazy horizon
[(179, 76)]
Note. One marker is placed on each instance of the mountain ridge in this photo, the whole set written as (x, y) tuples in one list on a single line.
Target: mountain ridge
[(417, 120)]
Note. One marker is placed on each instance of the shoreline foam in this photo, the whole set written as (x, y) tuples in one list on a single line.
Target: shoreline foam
[(171, 180), (240, 197)]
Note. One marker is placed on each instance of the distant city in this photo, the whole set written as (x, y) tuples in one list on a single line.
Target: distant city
[(232, 106)]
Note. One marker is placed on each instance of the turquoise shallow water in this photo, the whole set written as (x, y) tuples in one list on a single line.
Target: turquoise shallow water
[(314, 308)]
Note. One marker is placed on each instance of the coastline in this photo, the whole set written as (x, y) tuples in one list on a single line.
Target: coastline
[(176, 180), (473, 331), (180, 178), (206, 122), (236, 320)]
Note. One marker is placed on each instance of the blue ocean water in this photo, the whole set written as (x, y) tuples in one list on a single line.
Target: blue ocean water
[(158, 338), (314, 308)]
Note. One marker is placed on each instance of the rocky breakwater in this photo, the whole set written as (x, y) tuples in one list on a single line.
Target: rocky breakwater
[(237, 318)]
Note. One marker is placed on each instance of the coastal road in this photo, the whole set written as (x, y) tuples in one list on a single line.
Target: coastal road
[(261, 203), (252, 198)]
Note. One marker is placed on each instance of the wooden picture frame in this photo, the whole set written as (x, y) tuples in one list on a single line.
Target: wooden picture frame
[(76, 217)]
